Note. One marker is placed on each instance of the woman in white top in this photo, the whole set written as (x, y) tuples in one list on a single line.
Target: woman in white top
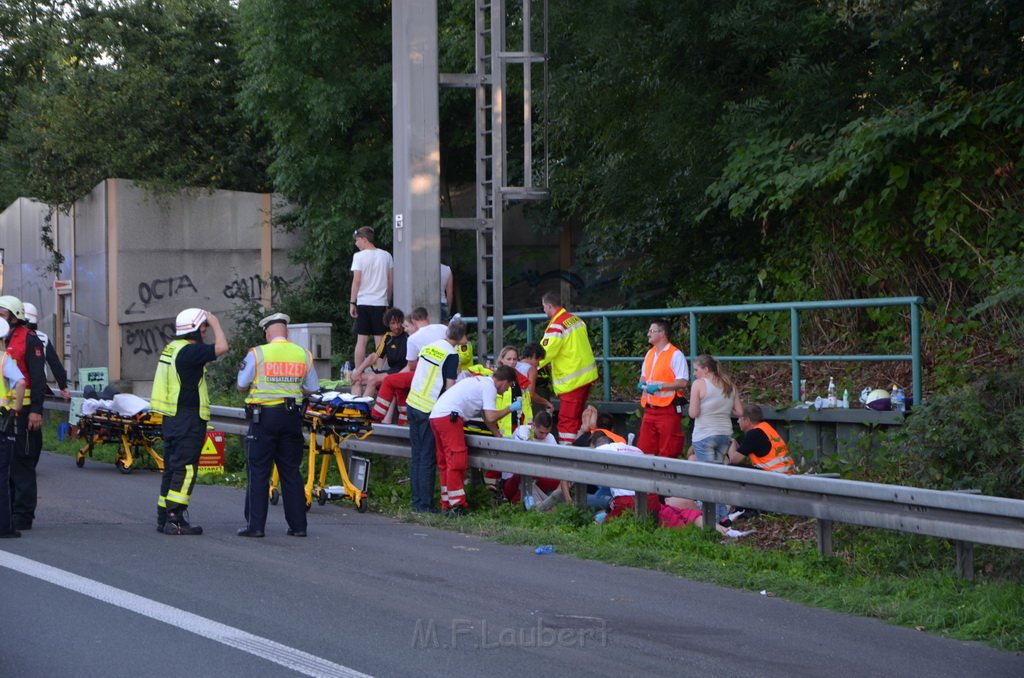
[(714, 401)]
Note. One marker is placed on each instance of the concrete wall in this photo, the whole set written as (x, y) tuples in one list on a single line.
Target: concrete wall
[(136, 259)]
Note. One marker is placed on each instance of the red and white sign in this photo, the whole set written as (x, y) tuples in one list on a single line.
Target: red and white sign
[(62, 286)]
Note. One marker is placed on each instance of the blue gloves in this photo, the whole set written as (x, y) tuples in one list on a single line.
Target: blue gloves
[(516, 405), (641, 386), (653, 388)]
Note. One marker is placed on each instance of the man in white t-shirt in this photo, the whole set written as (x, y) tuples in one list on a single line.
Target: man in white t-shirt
[(623, 499), (373, 280), (469, 399)]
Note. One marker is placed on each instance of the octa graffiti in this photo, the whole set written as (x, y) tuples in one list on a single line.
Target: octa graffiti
[(165, 287)]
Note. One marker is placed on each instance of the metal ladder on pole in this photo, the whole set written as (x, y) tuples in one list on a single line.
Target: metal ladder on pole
[(494, 190)]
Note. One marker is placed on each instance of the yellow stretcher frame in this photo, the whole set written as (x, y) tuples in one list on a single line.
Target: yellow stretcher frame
[(334, 425), (129, 433)]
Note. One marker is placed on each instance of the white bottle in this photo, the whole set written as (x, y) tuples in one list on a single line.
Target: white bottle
[(846, 399), (831, 392)]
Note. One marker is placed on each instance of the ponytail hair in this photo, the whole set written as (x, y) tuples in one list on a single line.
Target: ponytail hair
[(717, 371)]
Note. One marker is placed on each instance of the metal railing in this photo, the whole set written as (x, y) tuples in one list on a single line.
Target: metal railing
[(963, 517), (794, 357)]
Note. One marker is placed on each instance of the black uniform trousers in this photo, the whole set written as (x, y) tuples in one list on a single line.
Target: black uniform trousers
[(28, 445), (276, 439), (6, 452), (183, 435)]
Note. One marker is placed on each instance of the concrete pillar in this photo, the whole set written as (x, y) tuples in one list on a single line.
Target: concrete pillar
[(417, 156)]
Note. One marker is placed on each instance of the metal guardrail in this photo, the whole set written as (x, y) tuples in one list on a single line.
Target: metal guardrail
[(962, 517), (794, 357)]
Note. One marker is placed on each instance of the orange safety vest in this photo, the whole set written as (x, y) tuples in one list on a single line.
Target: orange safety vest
[(658, 368), (612, 435), (777, 459)]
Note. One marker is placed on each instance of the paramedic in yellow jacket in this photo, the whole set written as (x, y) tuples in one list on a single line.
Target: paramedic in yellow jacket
[(573, 370), (179, 393), (276, 375)]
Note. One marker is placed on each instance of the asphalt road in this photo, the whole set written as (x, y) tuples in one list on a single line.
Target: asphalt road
[(94, 590)]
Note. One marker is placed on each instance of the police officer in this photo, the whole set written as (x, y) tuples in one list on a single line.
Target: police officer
[(13, 387), (276, 375), (180, 394), (27, 351)]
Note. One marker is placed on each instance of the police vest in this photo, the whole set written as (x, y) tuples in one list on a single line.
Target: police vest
[(777, 459), (428, 381), (568, 353), (658, 368), (17, 347), (167, 383), (281, 368)]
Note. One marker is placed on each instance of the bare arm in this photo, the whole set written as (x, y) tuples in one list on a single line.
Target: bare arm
[(19, 395), (491, 418), (220, 340), (696, 393), (737, 404), (357, 280), (449, 290)]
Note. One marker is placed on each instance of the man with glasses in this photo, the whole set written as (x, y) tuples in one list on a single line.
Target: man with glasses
[(663, 378), (373, 282)]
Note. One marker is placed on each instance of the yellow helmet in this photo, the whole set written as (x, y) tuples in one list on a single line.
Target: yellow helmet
[(14, 305)]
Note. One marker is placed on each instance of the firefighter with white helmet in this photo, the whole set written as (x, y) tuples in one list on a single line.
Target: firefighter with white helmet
[(60, 375), (180, 394), (27, 351)]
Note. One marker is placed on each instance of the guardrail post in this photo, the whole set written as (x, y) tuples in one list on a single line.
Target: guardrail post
[(823, 534), (709, 511), (964, 560), (640, 511)]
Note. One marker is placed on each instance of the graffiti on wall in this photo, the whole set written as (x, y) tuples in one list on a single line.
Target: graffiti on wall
[(159, 289), (148, 339)]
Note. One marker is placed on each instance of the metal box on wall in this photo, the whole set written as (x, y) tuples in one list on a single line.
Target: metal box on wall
[(315, 338)]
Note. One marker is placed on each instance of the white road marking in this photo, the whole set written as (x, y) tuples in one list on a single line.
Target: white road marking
[(288, 657)]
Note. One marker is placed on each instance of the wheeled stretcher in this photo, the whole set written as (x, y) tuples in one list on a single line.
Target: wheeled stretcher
[(131, 434), (331, 421)]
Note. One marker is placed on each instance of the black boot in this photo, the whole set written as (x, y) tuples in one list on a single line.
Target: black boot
[(161, 518), (177, 523)]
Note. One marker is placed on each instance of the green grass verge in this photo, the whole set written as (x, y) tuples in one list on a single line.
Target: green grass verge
[(897, 578)]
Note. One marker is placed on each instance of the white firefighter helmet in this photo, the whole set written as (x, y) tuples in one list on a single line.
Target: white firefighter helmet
[(188, 321), (31, 313)]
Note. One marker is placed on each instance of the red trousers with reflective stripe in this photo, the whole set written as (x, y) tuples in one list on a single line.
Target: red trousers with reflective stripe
[(661, 432), (452, 458), (570, 413), (393, 387)]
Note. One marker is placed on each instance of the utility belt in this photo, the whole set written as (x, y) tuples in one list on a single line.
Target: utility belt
[(679, 403), (8, 420), (253, 410)]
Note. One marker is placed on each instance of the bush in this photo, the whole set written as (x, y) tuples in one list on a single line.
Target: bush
[(967, 438)]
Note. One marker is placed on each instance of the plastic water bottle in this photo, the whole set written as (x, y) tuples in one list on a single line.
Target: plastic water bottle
[(899, 403), (545, 550), (831, 392), (846, 399), (346, 371)]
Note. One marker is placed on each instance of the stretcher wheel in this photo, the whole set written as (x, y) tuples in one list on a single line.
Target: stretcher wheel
[(122, 468), (275, 496), (321, 497), (363, 505), (80, 461)]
